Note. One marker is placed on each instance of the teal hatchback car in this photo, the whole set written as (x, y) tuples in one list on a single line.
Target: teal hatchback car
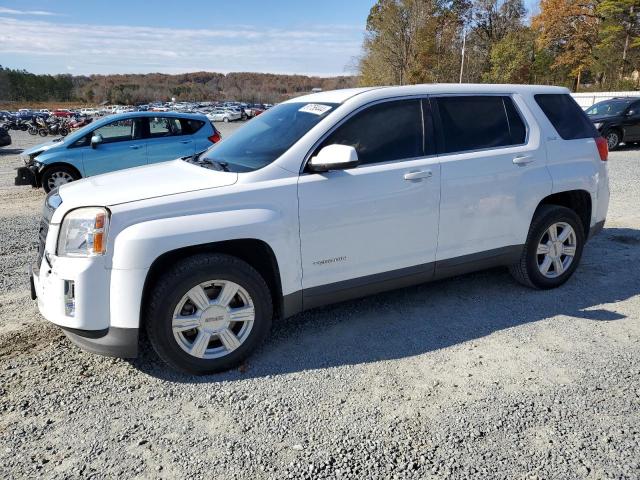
[(113, 143)]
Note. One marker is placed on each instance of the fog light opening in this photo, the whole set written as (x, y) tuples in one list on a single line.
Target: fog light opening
[(69, 298)]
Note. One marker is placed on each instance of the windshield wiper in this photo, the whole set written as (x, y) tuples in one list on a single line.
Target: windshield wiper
[(222, 166)]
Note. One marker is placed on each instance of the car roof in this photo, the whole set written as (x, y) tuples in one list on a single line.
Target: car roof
[(124, 116), (341, 96)]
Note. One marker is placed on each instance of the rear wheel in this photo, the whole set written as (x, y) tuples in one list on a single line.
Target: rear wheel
[(208, 313), (56, 176), (553, 249), (32, 131), (43, 132), (225, 119), (613, 139)]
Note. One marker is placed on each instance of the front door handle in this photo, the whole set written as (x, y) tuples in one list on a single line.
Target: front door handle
[(522, 159), (134, 147), (419, 175), (185, 141)]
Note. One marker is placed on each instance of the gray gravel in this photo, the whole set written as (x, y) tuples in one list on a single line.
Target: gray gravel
[(473, 377)]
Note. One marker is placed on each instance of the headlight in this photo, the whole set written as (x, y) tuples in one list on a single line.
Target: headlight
[(84, 233), (597, 125)]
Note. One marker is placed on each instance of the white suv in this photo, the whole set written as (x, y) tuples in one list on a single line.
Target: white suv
[(321, 199)]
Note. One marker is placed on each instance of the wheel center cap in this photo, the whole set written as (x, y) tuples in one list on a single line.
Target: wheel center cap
[(215, 318), (556, 249)]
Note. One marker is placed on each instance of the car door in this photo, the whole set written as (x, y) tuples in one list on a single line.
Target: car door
[(123, 146), (631, 122), (493, 167), (166, 141), (375, 226)]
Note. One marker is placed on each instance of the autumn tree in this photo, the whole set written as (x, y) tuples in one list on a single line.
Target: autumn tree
[(569, 29)]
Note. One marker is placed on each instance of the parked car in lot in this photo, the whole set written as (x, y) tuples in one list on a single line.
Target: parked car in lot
[(224, 115), (62, 113), (90, 112), (5, 138), (320, 199), (114, 143), (618, 120)]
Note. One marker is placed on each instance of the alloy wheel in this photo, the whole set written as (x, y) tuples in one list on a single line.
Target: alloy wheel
[(213, 319), (556, 249), (612, 140)]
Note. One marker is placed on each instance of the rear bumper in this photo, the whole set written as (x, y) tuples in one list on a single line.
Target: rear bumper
[(26, 176)]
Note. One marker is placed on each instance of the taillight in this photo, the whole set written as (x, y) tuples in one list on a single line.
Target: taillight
[(603, 148), (215, 138)]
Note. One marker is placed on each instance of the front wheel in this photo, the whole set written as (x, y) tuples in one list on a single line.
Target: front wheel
[(43, 132), (32, 131), (56, 176), (63, 132), (553, 249), (208, 313)]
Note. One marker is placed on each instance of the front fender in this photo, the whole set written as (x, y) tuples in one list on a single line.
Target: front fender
[(137, 246)]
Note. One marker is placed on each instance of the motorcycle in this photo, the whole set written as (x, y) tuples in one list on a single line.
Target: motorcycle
[(52, 127)]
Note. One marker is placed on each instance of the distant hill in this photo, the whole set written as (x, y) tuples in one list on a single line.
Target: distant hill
[(21, 86)]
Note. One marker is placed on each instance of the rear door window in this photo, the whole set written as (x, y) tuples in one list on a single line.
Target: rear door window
[(566, 116), (477, 122), (384, 132)]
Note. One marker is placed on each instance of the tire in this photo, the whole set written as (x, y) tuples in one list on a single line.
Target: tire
[(613, 138), (57, 175), (167, 300), (43, 132), (32, 131), (63, 132), (529, 269), (225, 119)]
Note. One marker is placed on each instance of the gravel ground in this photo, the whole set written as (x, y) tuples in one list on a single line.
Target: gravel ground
[(473, 377)]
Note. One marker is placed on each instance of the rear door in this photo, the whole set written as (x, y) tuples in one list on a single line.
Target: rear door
[(493, 168), (166, 141), (123, 146)]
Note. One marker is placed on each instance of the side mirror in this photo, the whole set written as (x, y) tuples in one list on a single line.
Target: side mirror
[(630, 113), (96, 140), (334, 157)]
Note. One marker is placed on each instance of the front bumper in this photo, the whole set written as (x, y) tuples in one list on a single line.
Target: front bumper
[(27, 176), (87, 324), (113, 342)]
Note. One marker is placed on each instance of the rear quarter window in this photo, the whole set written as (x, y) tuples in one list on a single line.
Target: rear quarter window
[(566, 116), (190, 126)]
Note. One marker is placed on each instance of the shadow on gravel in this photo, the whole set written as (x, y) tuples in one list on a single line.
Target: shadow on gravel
[(434, 316), (10, 151)]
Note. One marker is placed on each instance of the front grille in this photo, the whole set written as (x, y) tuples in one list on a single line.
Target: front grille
[(42, 238)]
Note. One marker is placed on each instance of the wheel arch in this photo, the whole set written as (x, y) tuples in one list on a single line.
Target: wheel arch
[(49, 166), (256, 253), (579, 201)]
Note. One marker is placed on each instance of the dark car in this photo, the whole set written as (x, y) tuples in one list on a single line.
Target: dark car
[(617, 120), (5, 138)]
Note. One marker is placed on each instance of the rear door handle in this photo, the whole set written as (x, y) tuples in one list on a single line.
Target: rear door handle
[(185, 141), (134, 147), (419, 175), (522, 159)]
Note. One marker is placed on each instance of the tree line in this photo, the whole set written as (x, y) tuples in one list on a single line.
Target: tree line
[(22, 86), (582, 44)]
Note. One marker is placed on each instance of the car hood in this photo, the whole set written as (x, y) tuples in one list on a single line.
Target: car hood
[(41, 148), (141, 183)]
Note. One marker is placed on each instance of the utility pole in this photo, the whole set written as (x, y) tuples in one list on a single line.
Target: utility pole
[(464, 44)]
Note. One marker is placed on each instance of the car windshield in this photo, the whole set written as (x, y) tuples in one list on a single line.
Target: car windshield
[(610, 107), (266, 137)]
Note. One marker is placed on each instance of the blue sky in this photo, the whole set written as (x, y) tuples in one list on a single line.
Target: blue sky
[(320, 37)]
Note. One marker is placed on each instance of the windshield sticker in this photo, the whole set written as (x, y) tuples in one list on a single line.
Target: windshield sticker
[(315, 108)]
